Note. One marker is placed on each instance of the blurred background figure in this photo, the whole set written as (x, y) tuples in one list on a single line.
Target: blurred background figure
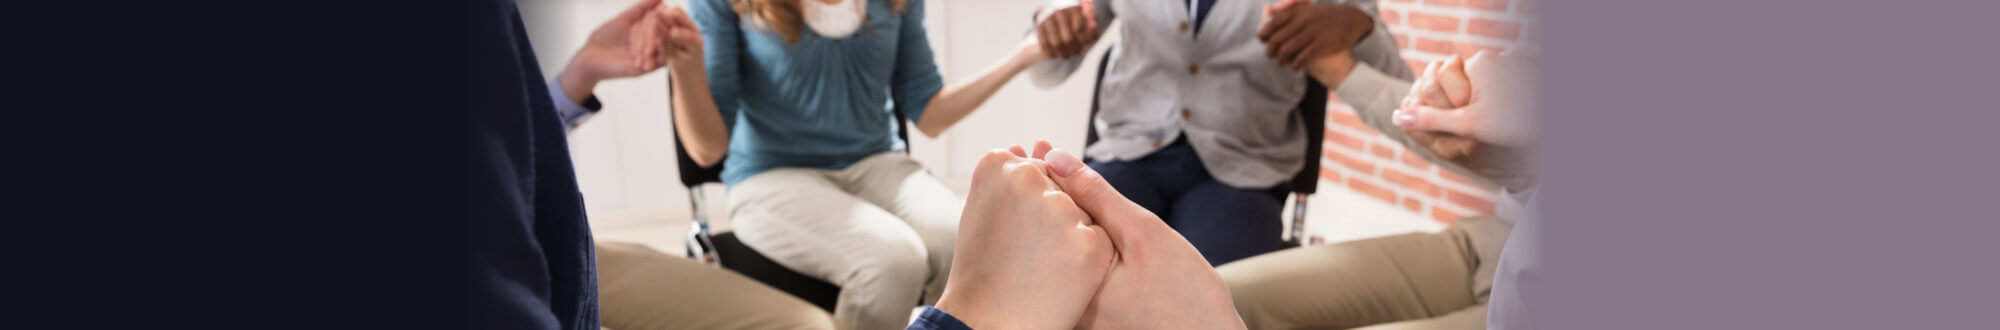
[(803, 98), (1197, 121), (637, 287), (1437, 280)]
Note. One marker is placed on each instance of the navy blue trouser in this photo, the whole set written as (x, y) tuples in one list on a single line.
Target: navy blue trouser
[(1225, 223)]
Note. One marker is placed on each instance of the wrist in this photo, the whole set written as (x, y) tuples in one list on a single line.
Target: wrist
[(1332, 70), (1025, 56), (576, 83), (687, 72)]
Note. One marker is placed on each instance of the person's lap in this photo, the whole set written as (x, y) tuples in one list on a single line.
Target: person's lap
[(1225, 223), (642, 289), (859, 229), (901, 186), (1398, 278)]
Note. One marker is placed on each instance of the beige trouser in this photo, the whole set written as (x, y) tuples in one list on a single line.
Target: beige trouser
[(1409, 281), (639, 288), (881, 229)]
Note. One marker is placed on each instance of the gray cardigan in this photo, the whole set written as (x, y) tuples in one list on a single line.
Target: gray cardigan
[(1233, 103)]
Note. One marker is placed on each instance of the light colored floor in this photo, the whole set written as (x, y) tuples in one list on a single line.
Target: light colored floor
[(1334, 215)]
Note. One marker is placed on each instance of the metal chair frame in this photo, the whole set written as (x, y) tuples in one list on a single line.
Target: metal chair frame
[(724, 250)]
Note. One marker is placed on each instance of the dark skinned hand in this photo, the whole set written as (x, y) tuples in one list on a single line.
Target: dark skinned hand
[(1068, 31), (1296, 32)]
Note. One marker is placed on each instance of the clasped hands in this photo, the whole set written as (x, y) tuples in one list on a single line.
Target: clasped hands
[(1476, 112), (1296, 33), (1046, 243)]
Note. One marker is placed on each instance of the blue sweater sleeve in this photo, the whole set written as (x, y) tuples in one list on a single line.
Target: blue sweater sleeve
[(722, 53), (937, 319), (571, 113), (917, 78)]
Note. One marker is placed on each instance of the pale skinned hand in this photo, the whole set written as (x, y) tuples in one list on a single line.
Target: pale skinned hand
[(1498, 107), (683, 42), (1027, 256), (1159, 280), (619, 48), (1441, 84)]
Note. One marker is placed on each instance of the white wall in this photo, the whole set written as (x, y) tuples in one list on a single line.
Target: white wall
[(624, 156), (980, 33)]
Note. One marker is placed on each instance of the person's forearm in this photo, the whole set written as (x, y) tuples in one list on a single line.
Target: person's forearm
[(1331, 70), (955, 102), (575, 83), (702, 130)]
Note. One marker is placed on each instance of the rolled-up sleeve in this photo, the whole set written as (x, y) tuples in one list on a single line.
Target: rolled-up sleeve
[(722, 51), (917, 78)]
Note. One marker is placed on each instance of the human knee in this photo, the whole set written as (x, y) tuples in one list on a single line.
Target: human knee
[(898, 265)]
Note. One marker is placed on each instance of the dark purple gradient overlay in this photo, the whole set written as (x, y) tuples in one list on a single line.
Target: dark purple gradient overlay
[(1756, 164)]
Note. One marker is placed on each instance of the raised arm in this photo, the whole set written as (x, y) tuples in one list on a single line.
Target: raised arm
[(1300, 33), (623, 47), (704, 77), (1066, 29), (953, 103), (917, 86)]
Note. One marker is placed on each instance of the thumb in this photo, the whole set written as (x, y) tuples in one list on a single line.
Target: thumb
[(1429, 118), (635, 12), (1123, 220)]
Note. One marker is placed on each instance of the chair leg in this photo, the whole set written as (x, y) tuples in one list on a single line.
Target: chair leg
[(700, 245), (1298, 232)]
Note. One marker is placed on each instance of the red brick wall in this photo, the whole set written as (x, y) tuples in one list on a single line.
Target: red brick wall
[(1363, 160)]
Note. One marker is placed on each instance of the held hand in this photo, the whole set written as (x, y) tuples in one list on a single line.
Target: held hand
[(1067, 31), (1296, 32), (1029, 52), (1027, 257), (1499, 101), (683, 42), (1442, 84), (1159, 280), (618, 48)]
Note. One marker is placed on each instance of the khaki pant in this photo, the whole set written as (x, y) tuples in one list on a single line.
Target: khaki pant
[(881, 229), (1409, 281), (639, 288)]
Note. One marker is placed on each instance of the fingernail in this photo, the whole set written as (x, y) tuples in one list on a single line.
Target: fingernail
[(1063, 163), (1404, 118)]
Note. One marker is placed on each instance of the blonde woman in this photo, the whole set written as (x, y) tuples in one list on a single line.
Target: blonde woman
[(797, 95)]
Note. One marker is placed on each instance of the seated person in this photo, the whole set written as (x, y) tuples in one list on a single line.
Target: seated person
[(1440, 280), (797, 94), (1197, 105), (639, 288), (1497, 111), (1036, 231)]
